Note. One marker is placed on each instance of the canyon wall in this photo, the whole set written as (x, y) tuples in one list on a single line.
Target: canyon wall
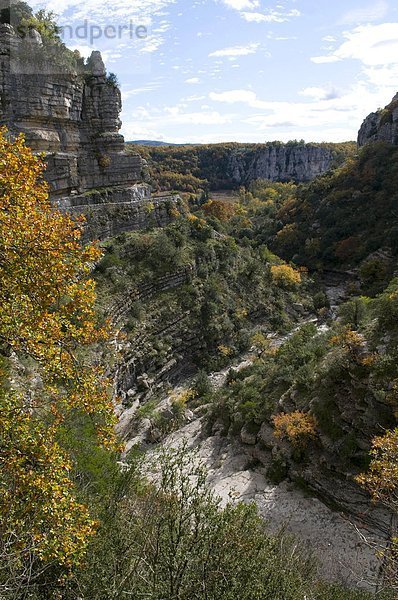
[(280, 162)]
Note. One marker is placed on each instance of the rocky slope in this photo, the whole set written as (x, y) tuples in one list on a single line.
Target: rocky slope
[(342, 532), (381, 126)]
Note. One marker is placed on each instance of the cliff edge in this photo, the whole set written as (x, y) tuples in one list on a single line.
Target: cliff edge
[(381, 126)]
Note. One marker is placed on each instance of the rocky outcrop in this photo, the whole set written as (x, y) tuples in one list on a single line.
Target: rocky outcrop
[(381, 126), (342, 544), (70, 111), (114, 210), (280, 162)]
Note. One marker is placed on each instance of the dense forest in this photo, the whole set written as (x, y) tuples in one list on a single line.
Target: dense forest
[(347, 217)]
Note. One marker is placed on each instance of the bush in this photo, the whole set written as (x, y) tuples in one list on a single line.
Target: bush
[(172, 541), (298, 427), (285, 276)]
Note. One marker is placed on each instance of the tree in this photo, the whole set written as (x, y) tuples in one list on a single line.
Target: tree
[(221, 209), (381, 481), (15, 12), (47, 314)]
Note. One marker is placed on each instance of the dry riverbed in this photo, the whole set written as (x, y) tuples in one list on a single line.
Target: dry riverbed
[(343, 547)]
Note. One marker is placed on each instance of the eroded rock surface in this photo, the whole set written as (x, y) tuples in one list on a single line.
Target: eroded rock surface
[(381, 126), (280, 162)]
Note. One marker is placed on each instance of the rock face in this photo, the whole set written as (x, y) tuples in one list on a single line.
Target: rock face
[(280, 162), (71, 114), (381, 126)]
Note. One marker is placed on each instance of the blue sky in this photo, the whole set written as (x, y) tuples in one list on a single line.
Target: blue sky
[(244, 70)]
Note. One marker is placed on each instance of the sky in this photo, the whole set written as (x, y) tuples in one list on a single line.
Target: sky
[(206, 71)]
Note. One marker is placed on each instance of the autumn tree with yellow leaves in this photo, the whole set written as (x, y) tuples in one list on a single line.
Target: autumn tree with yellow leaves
[(47, 314)]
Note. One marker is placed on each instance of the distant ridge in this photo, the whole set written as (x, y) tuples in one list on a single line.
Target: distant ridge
[(152, 143)]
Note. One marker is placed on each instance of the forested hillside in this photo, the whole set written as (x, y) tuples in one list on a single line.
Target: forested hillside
[(346, 218)]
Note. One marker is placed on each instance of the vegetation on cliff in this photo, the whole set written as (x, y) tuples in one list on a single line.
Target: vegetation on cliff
[(207, 167), (51, 53), (192, 280)]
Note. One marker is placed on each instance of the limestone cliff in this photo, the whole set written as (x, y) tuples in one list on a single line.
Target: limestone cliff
[(381, 126), (70, 111), (280, 162)]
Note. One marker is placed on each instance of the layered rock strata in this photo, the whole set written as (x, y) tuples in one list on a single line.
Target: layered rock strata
[(70, 111)]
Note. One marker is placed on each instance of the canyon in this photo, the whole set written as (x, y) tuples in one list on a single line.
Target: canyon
[(73, 118)]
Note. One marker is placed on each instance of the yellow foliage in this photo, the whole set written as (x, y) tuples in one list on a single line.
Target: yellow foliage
[(349, 340), (220, 209), (285, 276), (298, 427), (174, 212), (39, 513), (241, 313), (183, 397), (224, 350), (46, 296), (149, 208), (382, 478), (381, 481), (47, 312), (262, 343)]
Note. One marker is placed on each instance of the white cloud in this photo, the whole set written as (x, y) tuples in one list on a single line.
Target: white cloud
[(129, 93), (321, 93), (327, 111), (373, 45), (322, 60), (155, 119), (383, 76), (193, 80), (242, 4), (321, 117), (272, 16), (256, 17), (150, 44), (236, 51), (233, 96), (193, 98), (119, 13), (366, 14), (141, 12)]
